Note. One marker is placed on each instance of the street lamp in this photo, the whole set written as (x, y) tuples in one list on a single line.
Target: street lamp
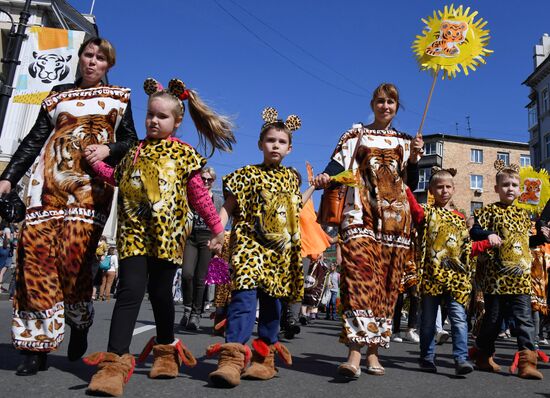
[(11, 59)]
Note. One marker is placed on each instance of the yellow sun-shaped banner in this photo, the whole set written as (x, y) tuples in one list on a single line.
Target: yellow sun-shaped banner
[(535, 189), (452, 40)]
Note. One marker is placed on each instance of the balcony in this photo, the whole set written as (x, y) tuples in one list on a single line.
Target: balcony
[(430, 161)]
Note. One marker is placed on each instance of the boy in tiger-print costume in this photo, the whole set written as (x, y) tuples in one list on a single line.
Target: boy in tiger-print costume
[(507, 277), (265, 203), (445, 269)]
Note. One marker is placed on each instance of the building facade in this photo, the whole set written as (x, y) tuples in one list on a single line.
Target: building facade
[(473, 158), (538, 108)]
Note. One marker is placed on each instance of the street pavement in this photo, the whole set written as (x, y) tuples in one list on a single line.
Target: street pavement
[(316, 354)]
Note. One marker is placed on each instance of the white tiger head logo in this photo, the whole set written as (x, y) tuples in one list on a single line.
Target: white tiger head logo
[(49, 67)]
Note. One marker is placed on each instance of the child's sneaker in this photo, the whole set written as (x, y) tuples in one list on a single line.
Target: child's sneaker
[(463, 368), (427, 366)]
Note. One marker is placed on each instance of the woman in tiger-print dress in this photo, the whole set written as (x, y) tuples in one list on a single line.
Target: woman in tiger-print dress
[(67, 206), (376, 227)]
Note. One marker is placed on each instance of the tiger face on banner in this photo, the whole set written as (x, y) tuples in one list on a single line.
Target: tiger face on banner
[(535, 189)]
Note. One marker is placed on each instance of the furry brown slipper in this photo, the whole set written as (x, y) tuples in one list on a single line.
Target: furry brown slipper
[(233, 358), (168, 358), (113, 373), (263, 360)]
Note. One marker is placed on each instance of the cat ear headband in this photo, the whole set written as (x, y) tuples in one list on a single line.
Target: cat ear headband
[(175, 87), (437, 169), (271, 116), (500, 167)]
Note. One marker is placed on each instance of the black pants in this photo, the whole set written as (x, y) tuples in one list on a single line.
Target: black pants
[(134, 275), (413, 312), (519, 306), (196, 257)]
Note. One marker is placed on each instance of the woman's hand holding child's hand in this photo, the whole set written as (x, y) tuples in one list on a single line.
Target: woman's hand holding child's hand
[(495, 240), (216, 243), (96, 153)]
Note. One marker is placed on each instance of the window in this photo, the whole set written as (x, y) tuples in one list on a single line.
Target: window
[(524, 160), (423, 179), (476, 181), (474, 206), (547, 143), (505, 157), (433, 148), (544, 101), (476, 155), (532, 119)]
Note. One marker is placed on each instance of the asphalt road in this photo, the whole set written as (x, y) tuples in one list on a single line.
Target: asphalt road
[(316, 354)]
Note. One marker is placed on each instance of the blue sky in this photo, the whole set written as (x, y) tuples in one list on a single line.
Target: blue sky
[(321, 61)]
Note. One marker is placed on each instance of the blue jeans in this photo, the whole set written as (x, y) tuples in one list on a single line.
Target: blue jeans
[(459, 327), (331, 307), (241, 316)]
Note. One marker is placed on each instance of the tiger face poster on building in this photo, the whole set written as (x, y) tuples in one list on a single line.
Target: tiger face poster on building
[(50, 57)]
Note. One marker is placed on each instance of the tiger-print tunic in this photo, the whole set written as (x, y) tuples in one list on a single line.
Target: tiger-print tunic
[(265, 234), (66, 213), (539, 278), (375, 233)]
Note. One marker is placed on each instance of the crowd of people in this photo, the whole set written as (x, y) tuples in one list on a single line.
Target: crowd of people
[(84, 144)]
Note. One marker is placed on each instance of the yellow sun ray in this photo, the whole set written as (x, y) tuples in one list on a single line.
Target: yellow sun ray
[(452, 41)]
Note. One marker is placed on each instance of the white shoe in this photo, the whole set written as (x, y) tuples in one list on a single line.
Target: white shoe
[(396, 338), (441, 337), (543, 342), (412, 336)]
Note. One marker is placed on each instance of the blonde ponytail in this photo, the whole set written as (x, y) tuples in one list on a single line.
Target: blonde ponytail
[(214, 128)]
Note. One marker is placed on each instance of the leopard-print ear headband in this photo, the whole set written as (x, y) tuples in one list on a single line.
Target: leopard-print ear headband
[(437, 169), (175, 87), (500, 167), (271, 116)]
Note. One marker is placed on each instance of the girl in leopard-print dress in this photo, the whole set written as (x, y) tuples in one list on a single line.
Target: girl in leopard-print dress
[(265, 203), (158, 179), (376, 227)]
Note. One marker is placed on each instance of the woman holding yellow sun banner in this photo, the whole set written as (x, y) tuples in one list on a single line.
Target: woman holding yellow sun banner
[(375, 231)]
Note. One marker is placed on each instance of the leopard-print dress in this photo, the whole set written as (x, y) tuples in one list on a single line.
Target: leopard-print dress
[(375, 233), (154, 215), (265, 252)]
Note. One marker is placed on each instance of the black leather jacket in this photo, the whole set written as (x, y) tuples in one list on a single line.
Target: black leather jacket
[(32, 144)]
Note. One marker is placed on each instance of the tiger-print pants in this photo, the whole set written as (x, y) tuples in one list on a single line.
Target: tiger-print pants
[(370, 280), (55, 254)]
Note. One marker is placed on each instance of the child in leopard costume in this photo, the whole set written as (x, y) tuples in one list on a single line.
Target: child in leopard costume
[(507, 276), (265, 203), (445, 269), (158, 179)]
